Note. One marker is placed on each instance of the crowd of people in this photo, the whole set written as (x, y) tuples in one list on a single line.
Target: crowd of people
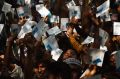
[(25, 54)]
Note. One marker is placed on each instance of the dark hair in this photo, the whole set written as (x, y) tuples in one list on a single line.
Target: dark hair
[(70, 25), (58, 70), (112, 75)]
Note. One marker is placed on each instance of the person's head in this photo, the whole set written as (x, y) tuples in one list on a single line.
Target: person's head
[(58, 70), (111, 75), (29, 38), (76, 71), (69, 54), (70, 27), (111, 46), (118, 7), (2, 56), (22, 20), (85, 48), (74, 20), (39, 69), (21, 15), (12, 63), (96, 43), (75, 66), (112, 60)]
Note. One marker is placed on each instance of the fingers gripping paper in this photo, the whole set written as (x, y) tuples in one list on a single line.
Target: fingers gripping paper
[(116, 28)]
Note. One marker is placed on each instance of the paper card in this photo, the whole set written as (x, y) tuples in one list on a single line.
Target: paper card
[(104, 35), (117, 59), (116, 28), (56, 54), (27, 10), (20, 11), (104, 48), (28, 2), (43, 11), (54, 31), (97, 57), (13, 11), (22, 35), (39, 6), (32, 23), (41, 1), (74, 11), (74, 30), (37, 33), (51, 43), (63, 25), (23, 31), (71, 3), (103, 8), (106, 16), (1, 27), (88, 40), (40, 29), (43, 26), (54, 19), (26, 28), (6, 7)]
